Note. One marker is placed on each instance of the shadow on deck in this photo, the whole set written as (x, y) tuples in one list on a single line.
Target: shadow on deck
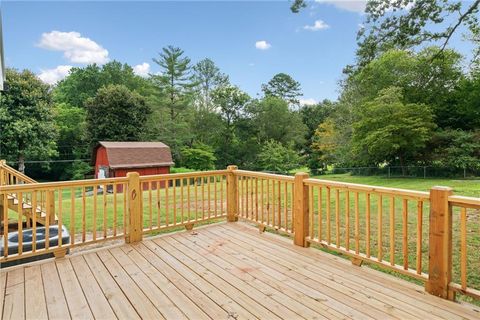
[(222, 271)]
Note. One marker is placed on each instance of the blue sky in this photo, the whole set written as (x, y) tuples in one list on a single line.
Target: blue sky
[(250, 41)]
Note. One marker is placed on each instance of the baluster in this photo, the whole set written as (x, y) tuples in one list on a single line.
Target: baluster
[(392, 230), (463, 248), (337, 217), (419, 235), (380, 227), (72, 216), (405, 233), (357, 225), (367, 217)]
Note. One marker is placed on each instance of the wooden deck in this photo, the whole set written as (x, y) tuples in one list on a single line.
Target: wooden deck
[(218, 272)]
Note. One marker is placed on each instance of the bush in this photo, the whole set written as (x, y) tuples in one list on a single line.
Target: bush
[(199, 157), (278, 158)]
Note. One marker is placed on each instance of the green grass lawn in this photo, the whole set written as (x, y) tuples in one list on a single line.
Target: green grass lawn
[(460, 187)]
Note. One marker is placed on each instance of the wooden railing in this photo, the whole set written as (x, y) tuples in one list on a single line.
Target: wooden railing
[(10, 176), (464, 215), (370, 224), (266, 199), (424, 235)]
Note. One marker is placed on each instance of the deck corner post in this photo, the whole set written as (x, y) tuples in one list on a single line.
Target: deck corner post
[(440, 244), (300, 210), (232, 195), (135, 214)]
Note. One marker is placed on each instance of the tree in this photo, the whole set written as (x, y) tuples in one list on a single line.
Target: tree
[(273, 120), (71, 126), (284, 87), (276, 157), (207, 77), (406, 24), (422, 80), (83, 83), (199, 157), (27, 129), (325, 143), (174, 81), (116, 113), (230, 102), (312, 116), (175, 88), (206, 125), (456, 149), (389, 130)]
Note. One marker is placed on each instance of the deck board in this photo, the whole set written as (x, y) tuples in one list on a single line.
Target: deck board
[(223, 271)]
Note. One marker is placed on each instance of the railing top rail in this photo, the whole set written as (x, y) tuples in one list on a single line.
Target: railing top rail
[(466, 202), (61, 184), (17, 173), (263, 175), (418, 195), (169, 176)]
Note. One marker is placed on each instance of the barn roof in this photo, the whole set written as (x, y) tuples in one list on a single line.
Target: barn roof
[(136, 154)]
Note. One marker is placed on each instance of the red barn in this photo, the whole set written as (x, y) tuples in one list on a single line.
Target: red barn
[(116, 159)]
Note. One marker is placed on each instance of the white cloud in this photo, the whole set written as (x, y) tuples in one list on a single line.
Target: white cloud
[(357, 5), (318, 25), (349, 5), (142, 69), (262, 45), (52, 76), (75, 48), (307, 102)]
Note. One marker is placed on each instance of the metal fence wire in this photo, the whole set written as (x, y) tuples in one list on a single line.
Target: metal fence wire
[(405, 172)]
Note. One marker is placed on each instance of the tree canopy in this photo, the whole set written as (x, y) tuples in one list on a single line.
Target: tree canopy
[(27, 128), (284, 87)]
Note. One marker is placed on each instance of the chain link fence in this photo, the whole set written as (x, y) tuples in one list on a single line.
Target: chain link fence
[(406, 172)]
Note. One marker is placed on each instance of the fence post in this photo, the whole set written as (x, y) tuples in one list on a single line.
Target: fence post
[(135, 214), (232, 196), (300, 210), (440, 244)]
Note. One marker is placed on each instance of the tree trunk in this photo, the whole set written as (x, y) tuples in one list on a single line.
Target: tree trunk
[(21, 163)]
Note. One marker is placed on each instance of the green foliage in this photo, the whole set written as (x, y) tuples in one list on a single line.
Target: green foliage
[(389, 130), (78, 170), (199, 157), (83, 83), (457, 149), (406, 24), (273, 120), (173, 97), (284, 87), (276, 157), (117, 114), (207, 77), (27, 126)]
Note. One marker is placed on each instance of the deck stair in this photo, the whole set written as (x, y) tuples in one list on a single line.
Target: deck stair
[(10, 176)]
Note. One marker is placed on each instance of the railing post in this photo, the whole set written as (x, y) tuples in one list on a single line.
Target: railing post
[(232, 196), (440, 244), (2, 172), (135, 214), (300, 210)]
